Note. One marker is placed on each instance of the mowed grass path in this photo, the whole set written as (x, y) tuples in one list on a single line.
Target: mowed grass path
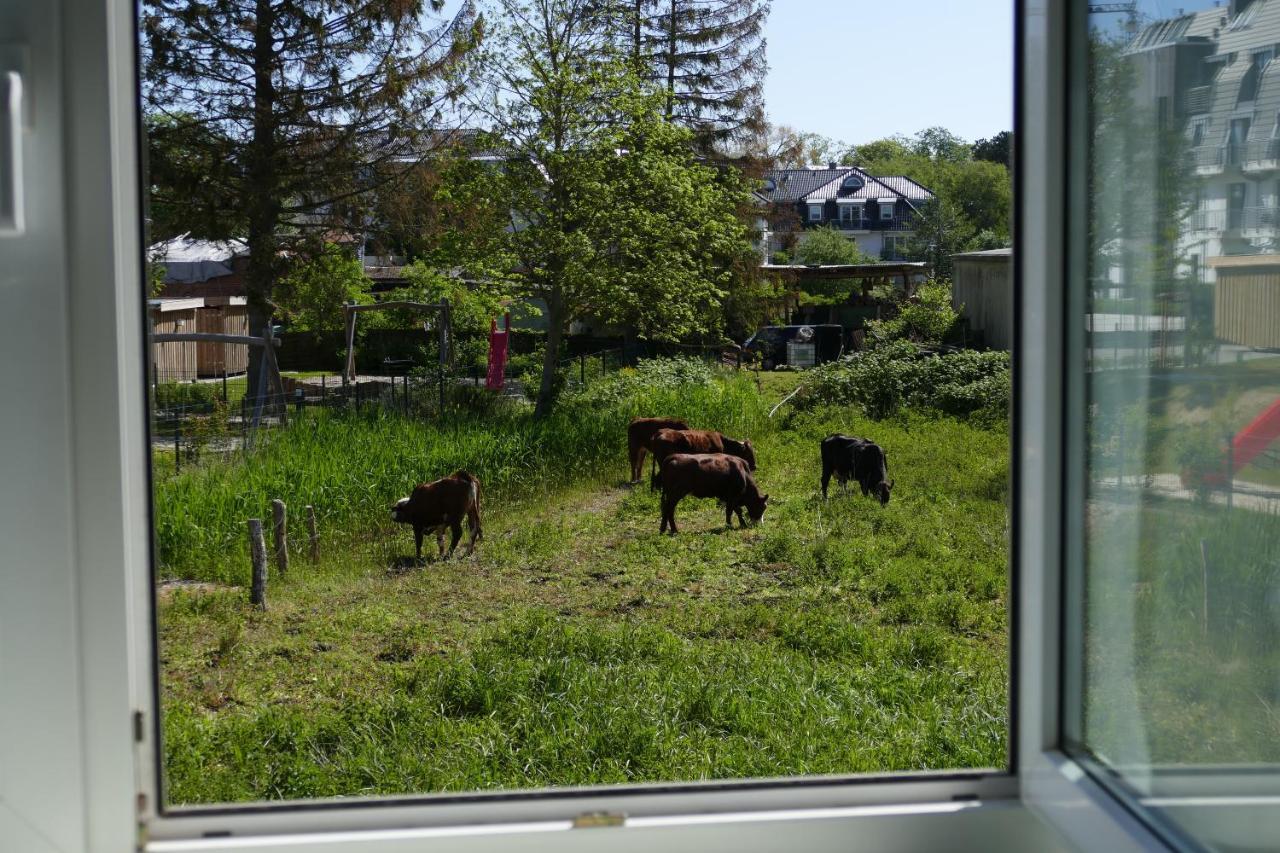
[(579, 646)]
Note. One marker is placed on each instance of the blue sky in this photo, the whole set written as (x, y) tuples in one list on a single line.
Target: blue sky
[(857, 70)]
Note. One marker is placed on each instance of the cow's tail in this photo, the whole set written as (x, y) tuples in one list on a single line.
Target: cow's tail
[(473, 516)]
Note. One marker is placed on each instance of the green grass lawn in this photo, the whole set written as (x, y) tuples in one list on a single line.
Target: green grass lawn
[(578, 646), (1167, 681)]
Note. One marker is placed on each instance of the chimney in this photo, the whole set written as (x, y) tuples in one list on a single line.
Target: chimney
[(833, 165)]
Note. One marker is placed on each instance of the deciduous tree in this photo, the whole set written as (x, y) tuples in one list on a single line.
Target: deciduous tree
[(298, 108)]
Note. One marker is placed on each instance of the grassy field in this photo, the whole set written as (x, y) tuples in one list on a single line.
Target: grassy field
[(578, 645), (1167, 681)]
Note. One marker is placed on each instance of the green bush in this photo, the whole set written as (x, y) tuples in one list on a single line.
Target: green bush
[(172, 395), (926, 318), (895, 375)]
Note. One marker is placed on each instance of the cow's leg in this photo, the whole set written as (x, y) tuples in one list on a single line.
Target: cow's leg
[(826, 478), (455, 529), (662, 528), (637, 462), (473, 519), (728, 515), (417, 541), (742, 522), (439, 543)]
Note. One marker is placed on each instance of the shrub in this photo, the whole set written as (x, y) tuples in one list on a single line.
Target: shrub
[(925, 318), (896, 374)]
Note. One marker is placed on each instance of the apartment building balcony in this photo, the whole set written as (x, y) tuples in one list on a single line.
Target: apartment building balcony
[(1262, 155), (1265, 219), (1207, 220), (1208, 159), (1197, 100)]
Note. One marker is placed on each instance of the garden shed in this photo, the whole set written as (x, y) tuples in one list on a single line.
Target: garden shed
[(175, 361), (982, 292), (228, 315), (1246, 300)]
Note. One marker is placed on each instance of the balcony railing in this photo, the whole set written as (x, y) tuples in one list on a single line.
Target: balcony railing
[(1198, 99), (1261, 218), (1234, 153), (856, 224), (1208, 156), (867, 223), (1207, 220), (1264, 151)]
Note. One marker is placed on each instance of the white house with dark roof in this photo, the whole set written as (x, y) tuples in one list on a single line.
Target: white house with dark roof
[(877, 213)]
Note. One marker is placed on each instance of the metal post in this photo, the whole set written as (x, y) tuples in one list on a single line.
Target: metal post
[(324, 390), (298, 397), (1231, 469)]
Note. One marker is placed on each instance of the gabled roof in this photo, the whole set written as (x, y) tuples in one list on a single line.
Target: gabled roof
[(813, 185)]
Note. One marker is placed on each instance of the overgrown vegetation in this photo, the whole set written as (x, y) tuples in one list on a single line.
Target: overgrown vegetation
[(1200, 691), (883, 381), (579, 646)]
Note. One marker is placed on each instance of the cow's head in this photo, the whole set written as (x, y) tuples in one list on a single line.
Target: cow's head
[(749, 454), (882, 491), (756, 506), (398, 511)]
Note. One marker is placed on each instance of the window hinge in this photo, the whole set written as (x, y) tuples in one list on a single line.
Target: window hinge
[(139, 732), (594, 820)]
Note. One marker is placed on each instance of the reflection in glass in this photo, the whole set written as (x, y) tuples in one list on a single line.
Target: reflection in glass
[(1180, 605)]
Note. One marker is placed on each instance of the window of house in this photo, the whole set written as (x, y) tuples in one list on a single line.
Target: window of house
[(1198, 129), (1253, 77), (816, 212), (850, 214), (887, 210)]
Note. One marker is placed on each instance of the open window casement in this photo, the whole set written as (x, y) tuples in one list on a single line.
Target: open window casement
[(78, 720)]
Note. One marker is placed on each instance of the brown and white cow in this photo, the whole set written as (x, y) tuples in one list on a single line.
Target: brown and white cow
[(439, 505), (669, 441), (710, 475), (640, 433)]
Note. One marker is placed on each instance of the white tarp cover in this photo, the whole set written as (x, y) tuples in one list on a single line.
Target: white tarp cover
[(187, 260)]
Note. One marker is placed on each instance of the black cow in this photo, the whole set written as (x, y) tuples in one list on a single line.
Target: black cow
[(857, 459)]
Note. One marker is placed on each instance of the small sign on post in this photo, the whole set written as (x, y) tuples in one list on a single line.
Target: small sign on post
[(258, 558), (281, 536)]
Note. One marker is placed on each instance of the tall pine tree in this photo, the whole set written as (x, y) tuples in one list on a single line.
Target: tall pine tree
[(708, 56), (305, 107)]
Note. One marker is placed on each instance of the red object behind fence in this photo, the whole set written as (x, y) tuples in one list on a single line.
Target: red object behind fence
[(498, 341), (1254, 438)]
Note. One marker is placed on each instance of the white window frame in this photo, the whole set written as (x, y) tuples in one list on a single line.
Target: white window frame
[(887, 209), (78, 744), (817, 210)]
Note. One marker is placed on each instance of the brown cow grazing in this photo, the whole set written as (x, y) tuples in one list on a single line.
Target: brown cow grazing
[(639, 433), (439, 505), (710, 475), (669, 441)]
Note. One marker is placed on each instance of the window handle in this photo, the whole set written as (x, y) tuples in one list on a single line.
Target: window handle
[(11, 120)]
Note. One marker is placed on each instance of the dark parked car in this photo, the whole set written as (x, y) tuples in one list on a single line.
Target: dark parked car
[(769, 344)]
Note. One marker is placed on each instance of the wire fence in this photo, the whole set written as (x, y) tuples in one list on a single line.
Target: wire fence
[(213, 416)]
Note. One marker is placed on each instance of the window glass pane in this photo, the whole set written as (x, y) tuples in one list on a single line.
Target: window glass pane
[(1179, 607), (392, 241)]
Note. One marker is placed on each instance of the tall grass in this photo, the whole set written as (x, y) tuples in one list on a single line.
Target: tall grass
[(352, 467)]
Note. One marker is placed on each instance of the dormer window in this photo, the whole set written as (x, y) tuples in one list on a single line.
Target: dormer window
[(1253, 77), (815, 212), (886, 210), (851, 182)]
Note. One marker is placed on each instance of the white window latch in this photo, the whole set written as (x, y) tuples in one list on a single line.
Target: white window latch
[(15, 117)]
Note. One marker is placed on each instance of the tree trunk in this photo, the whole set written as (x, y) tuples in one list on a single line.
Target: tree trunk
[(261, 202), (551, 356), (672, 37)]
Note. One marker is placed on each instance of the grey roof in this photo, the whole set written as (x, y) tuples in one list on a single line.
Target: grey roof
[(1198, 26), (793, 185)]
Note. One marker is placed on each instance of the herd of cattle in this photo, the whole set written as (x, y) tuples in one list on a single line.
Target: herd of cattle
[(701, 463)]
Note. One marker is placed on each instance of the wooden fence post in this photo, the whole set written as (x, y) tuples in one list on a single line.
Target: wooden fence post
[(258, 556), (281, 536), (315, 535)]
